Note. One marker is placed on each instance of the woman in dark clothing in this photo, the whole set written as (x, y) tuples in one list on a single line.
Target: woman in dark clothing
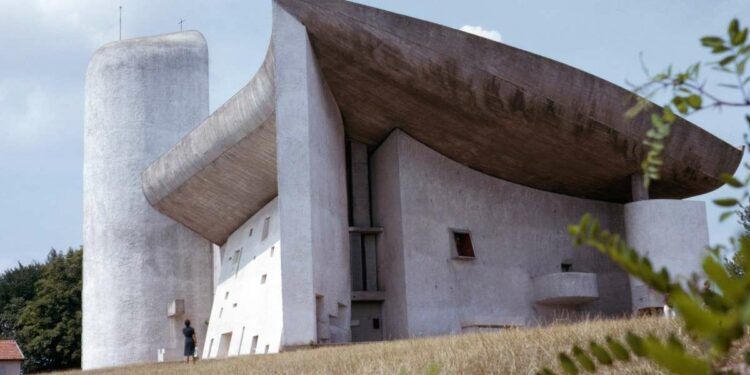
[(190, 341)]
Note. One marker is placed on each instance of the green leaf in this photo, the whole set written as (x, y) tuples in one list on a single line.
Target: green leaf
[(726, 215), (731, 288), (726, 202), (600, 354), (636, 344), (730, 180), (567, 364), (734, 27), (667, 115), (617, 349), (719, 49), (583, 359), (674, 358), (739, 38), (727, 60), (712, 41), (694, 101)]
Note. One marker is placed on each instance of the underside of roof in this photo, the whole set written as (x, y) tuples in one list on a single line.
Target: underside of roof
[(503, 111)]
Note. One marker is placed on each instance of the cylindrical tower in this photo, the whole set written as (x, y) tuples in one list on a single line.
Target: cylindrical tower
[(142, 96), (673, 234)]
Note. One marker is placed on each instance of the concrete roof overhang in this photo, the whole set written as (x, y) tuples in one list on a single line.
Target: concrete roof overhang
[(494, 108)]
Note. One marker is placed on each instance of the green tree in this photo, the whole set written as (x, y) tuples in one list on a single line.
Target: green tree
[(49, 326), (17, 287)]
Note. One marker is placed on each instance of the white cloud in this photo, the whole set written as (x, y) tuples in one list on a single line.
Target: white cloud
[(484, 33)]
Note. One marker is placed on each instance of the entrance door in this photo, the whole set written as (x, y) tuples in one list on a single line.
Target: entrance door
[(367, 324)]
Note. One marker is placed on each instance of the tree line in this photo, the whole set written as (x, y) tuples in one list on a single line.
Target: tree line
[(40, 308)]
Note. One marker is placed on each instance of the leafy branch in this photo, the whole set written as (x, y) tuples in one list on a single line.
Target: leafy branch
[(690, 93)]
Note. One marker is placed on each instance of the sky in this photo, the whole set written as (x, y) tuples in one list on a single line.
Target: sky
[(47, 44)]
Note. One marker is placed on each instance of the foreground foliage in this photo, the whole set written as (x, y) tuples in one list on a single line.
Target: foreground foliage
[(715, 315)]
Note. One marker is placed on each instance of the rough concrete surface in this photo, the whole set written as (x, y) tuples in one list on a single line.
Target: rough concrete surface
[(518, 234), (142, 95), (312, 192), (673, 234)]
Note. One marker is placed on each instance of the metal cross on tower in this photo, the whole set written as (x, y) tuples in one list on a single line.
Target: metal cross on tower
[(182, 20)]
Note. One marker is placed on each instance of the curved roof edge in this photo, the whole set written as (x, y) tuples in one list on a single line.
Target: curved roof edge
[(231, 154)]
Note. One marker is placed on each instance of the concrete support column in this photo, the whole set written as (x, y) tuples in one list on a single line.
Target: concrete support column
[(638, 189), (673, 234), (311, 164)]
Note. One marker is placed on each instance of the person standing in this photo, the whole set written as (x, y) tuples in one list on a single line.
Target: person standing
[(190, 341)]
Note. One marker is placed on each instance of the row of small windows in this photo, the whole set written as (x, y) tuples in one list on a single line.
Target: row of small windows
[(266, 224)]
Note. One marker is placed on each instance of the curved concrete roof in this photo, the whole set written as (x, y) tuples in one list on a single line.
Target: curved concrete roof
[(494, 108)]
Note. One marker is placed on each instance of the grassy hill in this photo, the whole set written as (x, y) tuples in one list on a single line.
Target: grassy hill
[(515, 351)]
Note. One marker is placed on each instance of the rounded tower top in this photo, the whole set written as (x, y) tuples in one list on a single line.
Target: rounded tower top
[(139, 51)]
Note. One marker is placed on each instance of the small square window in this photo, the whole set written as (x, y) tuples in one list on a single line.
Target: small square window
[(266, 223), (464, 247), (566, 267), (263, 279)]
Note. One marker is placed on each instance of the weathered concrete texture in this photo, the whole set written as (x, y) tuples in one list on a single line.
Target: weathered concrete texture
[(565, 288), (497, 109), (518, 234), (312, 193), (142, 95), (471, 99), (673, 234), (225, 169), (247, 302)]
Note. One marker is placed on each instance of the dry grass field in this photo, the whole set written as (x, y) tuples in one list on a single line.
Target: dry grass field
[(516, 351)]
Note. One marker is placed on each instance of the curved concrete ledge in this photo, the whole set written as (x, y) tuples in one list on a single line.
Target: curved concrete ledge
[(491, 107), (225, 169), (566, 288)]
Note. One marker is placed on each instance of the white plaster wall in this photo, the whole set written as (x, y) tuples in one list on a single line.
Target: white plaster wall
[(673, 234), (241, 300), (142, 95), (518, 233), (10, 368), (312, 192)]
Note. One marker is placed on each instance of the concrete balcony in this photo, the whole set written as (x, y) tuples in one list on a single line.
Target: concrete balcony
[(565, 288)]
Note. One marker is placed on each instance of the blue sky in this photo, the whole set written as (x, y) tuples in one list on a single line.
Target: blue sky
[(46, 46)]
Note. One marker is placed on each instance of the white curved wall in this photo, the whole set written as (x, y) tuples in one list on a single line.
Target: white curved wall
[(672, 233), (142, 96)]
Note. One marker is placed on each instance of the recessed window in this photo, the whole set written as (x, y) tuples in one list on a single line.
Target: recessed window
[(251, 232), (266, 223), (226, 295), (234, 305), (566, 267), (464, 247), (221, 312), (272, 250), (263, 279), (254, 345), (267, 349), (236, 261)]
